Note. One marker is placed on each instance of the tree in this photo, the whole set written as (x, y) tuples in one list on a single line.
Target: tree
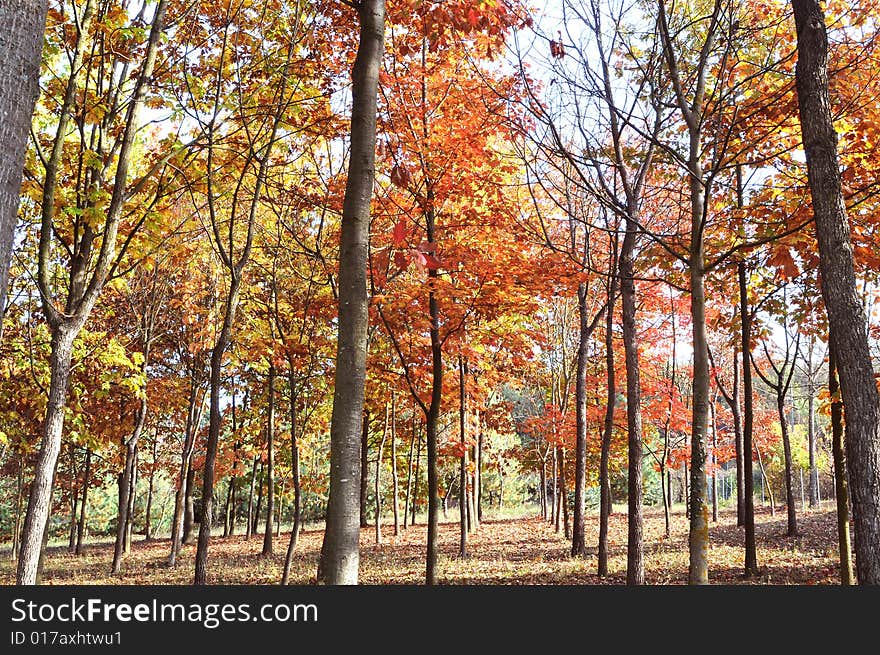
[(846, 315), (88, 271), (340, 548)]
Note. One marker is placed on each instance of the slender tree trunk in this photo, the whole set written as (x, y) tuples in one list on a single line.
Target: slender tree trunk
[(294, 468), (543, 475), (840, 483), (415, 501), (789, 465), (249, 529), (257, 510), (340, 549), (462, 479), (409, 472), (714, 464), (193, 418), (189, 503), (132, 497), (19, 493), (564, 496), (148, 520), (635, 566), (578, 541), (270, 462), (81, 527), (24, 22), (39, 501), (607, 431), (377, 489), (433, 416), (74, 500), (364, 451), (395, 482), (478, 475), (846, 314), (765, 482), (751, 548), (811, 443)]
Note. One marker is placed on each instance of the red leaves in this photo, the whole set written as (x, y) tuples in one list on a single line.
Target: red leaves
[(557, 50), (399, 234)]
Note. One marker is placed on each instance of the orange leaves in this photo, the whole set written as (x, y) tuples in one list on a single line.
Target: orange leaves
[(782, 259)]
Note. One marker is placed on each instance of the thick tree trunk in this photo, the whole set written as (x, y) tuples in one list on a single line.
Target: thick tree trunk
[(751, 549), (270, 462), (433, 416), (635, 566), (24, 22), (846, 315), (340, 549), (840, 484), (39, 501)]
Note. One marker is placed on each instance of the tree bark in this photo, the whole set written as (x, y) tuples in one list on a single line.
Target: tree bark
[(24, 22), (578, 541), (751, 548), (462, 478), (846, 315), (125, 486), (39, 500), (340, 549), (364, 452), (840, 484), (395, 483), (294, 469), (270, 462), (635, 559), (249, 529), (608, 429)]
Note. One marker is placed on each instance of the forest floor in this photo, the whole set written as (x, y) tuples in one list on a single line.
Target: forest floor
[(502, 551)]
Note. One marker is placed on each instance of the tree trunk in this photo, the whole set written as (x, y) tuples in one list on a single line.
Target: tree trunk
[(607, 430), (395, 483), (765, 483), (193, 419), (249, 529), (433, 413), (24, 23), (462, 478), (478, 475), (751, 548), (415, 500), (846, 315), (377, 489), (258, 509), (294, 469), (37, 516), (74, 500), (789, 465), (19, 493), (340, 549), (635, 559), (409, 472), (189, 503), (364, 452), (578, 541), (148, 520), (840, 483), (132, 497), (270, 462), (714, 464), (811, 443)]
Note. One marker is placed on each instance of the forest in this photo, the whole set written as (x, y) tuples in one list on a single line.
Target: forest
[(439, 292)]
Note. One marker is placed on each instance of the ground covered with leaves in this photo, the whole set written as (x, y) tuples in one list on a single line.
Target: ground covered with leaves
[(502, 551)]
